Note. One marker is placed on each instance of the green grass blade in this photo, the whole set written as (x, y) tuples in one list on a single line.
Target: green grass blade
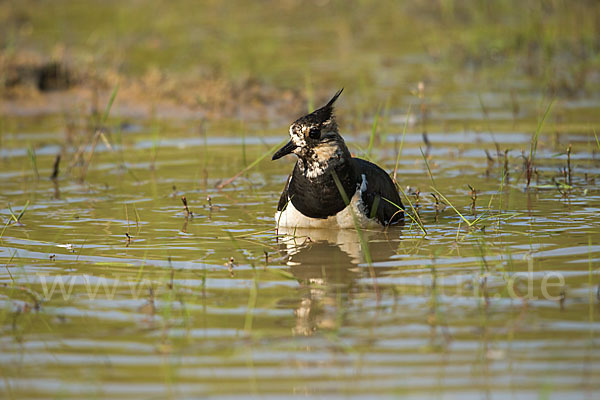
[(252, 165), (451, 205), (110, 103), (374, 207), (23, 211), (4, 229), (534, 139), (373, 131), (33, 159), (427, 165), (418, 218), (12, 214), (401, 142)]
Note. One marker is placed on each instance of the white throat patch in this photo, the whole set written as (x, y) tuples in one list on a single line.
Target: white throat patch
[(321, 157)]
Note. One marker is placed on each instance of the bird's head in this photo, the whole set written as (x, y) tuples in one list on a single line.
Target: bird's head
[(315, 139)]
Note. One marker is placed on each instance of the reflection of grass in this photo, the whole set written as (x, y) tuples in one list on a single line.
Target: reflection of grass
[(33, 160), (253, 296)]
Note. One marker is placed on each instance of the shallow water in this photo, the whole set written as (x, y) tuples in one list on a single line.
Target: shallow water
[(220, 304)]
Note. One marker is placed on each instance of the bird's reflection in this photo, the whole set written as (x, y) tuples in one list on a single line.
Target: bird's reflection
[(331, 265)]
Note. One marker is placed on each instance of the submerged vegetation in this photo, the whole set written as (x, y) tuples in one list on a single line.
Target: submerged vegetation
[(138, 248)]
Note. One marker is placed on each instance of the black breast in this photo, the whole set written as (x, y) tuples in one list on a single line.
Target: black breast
[(319, 197)]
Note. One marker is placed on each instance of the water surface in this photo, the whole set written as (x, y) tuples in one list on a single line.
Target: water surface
[(219, 303)]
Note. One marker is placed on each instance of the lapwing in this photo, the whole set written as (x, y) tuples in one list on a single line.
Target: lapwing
[(312, 196)]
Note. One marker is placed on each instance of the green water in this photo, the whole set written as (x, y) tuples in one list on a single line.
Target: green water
[(109, 290), (459, 313)]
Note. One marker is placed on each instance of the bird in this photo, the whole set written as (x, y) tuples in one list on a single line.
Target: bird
[(313, 197)]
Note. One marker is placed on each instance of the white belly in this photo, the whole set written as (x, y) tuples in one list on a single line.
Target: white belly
[(292, 218)]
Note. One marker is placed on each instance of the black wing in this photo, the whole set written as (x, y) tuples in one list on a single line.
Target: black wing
[(283, 200), (379, 188)]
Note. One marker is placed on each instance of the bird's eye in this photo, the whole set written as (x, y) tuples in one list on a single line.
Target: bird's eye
[(314, 133)]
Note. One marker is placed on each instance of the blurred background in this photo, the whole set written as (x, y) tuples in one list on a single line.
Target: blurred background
[(269, 59)]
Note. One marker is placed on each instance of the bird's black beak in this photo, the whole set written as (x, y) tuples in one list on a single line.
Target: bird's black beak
[(285, 150)]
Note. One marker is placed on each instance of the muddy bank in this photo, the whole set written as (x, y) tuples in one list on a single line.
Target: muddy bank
[(32, 85)]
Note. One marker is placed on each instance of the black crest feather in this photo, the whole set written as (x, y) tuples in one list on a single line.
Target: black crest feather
[(322, 114), (334, 98)]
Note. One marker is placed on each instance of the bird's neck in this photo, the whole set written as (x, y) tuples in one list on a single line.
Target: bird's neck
[(321, 160)]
